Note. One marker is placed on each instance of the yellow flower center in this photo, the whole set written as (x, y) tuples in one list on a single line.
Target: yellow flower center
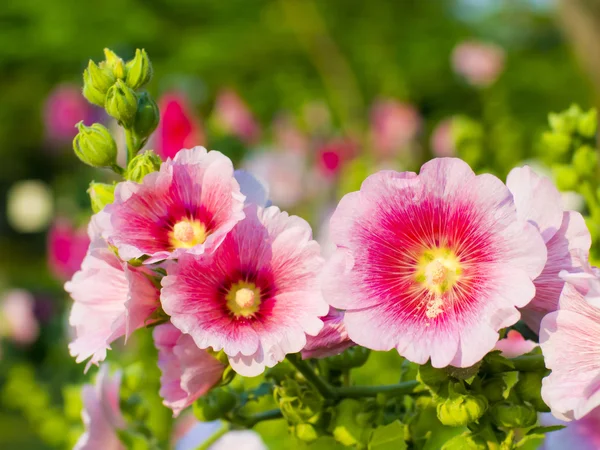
[(187, 234), (243, 299)]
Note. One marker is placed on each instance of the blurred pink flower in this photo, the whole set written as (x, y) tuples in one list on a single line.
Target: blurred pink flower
[(64, 107), (66, 248), (480, 63), (332, 339), (101, 413), (289, 138), (332, 155), (432, 264), (187, 371), (393, 126), (232, 113), (581, 434), (514, 344), (442, 141), (178, 128), (17, 317)]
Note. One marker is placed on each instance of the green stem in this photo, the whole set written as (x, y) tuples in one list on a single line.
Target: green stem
[(392, 390), (324, 388), (215, 437), (117, 169), (132, 148), (525, 363), (272, 414)]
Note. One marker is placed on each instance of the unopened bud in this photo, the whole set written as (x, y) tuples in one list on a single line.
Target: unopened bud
[(121, 103), (101, 194), (566, 177), (529, 388), (139, 70), (588, 123), (350, 358), (306, 432), (510, 415), (95, 146), (96, 82), (114, 63), (214, 405), (147, 116), (461, 410), (585, 160), (142, 165), (494, 389)]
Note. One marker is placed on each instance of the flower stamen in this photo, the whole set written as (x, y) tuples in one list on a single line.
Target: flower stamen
[(187, 234)]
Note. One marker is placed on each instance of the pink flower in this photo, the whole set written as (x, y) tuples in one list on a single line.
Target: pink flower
[(432, 264), (234, 116), (101, 413), (333, 155), (112, 299), (17, 317), (514, 344), (66, 247), (178, 128), (65, 106), (287, 137), (569, 339), (581, 434), (393, 126), (564, 232), (256, 296), (238, 439), (442, 142), (332, 339), (187, 371), (585, 278), (187, 207), (479, 63)]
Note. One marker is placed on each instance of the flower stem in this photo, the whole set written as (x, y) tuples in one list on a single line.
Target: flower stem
[(403, 388), (131, 146), (263, 416), (324, 388), (215, 437)]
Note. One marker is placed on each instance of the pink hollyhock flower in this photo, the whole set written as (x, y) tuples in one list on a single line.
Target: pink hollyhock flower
[(288, 137), (393, 126), (234, 116), (514, 344), (332, 339), (333, 155), (64, 107), (581, 434), (564, 232), (479, 63), (187, 371), (17, 318), (432, 264), (442, 142), (186, 207), (585, 278), (66, 247), (569, 339), (256, 296), (112, 299), (101, 413), (178, 128)]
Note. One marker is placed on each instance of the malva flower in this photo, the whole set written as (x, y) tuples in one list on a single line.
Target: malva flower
[(581, 434), (514, 344), (17, 317), (111, 299), (565, 233), (480, 63), (234, 116), (66, 247), (585, 278), (188, 206), (63, 108), (101, 413), (569, 339), (432, 264), (332, 339), (187, 371), (393, 126), (256, 296)]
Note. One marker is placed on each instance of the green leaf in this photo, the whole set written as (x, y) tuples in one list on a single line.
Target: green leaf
[(326, 443), (510, 379), (495, 362), (544, 430), (530, 442), (389, 437)]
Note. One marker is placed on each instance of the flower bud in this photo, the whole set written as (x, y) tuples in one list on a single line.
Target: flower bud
[(345, 428), (101, 194), (510, 415), (121, 103), (306, 432), (139, 70), (142, 165), (115, 64), (566, 177), (214, 405), (585, 160), (588, 123), (95, 146), (494, 389), (529, 388), (350, 358), (557, 144), (147, 116), (96, 82), (299, 403), (460, 410)]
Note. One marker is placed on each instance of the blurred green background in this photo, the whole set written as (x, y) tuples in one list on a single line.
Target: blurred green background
[(335, 76)]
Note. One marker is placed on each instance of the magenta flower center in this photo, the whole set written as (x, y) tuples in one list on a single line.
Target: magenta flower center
[(243, 299), (187, 234)]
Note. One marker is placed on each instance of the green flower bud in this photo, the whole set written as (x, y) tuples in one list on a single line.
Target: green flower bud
[(121, 103), (147, 116), (585, 160), (588, 123), (139, 70), (306, 432), (142, 165), (510, 415), (350, 358), (214, 405), (96, 82), (115, 64), (493, 389), (299, 403), (566, 177), (556, 143), (529, 388), (461, 410), (95, 146), (345, 428), (565, 122), (101, 194)]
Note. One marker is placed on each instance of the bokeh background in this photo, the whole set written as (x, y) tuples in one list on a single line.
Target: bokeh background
[(310, 95)]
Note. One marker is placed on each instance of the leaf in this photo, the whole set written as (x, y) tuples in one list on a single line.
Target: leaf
[(495, 362), (510, 379), (530, 442), (326, 443), (544, 430), (389, 437)]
